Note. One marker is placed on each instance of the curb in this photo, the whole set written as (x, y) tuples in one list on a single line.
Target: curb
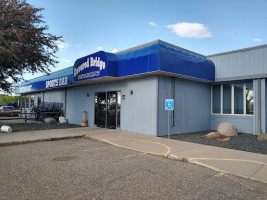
[(175, 157), (39, 140), (195, 162), (169, 155), (172, 157), (107, 142)]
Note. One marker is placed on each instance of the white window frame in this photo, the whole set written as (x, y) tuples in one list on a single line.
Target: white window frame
[(244, 99), (232, 100), (31, 100), (27, 100)]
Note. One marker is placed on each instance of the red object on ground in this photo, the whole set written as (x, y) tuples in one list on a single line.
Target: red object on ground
[(9, 111)]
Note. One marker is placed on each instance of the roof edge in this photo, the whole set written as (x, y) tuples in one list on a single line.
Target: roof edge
[(159, 41), (48, 74), (238, 50)]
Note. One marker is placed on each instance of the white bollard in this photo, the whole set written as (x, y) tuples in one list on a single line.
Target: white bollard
[(61, 118), (64, 121), (7, 129)]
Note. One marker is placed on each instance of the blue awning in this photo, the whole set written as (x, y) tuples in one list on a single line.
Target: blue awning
[(153, 58), (58, 79)]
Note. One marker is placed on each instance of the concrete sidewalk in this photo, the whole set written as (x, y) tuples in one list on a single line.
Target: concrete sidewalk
[(240, 163)]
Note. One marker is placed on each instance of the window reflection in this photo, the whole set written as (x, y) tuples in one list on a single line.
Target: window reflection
[(238, 98), (241, 102), (216, 99), (227, 98), (249, 98), (119, 110)]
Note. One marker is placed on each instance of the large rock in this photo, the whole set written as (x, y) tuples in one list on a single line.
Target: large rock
[(262, 137), (215, 136), (227, 129), (50, 120)]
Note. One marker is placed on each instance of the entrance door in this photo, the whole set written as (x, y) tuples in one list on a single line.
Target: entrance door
[(100, 109), (106, 109), (111, 111)]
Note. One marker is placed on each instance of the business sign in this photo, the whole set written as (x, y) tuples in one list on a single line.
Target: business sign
[(169, 104), (99, 64), (41, 85), (92, 66), (62, 81)]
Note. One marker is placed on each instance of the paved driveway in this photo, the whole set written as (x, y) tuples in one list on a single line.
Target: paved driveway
[(84, 169)]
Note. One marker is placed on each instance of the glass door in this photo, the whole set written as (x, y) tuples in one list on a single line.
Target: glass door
[(111, 109), (108, 109), (119, 109), (100, 109)]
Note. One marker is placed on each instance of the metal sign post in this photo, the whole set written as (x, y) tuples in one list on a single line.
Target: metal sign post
[(169, 105), (169, 124)]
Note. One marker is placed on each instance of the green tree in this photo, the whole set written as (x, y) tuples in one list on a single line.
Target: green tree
[(4, 99), (25, 44)]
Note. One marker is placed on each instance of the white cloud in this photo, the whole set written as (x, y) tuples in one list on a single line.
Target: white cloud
[(257, 39), (190, 30), (152, 24), (64, 60), (100, 48), (62, 45), (114, 51)]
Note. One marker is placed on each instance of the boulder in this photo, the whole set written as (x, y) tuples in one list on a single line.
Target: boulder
[(262, 137), (227, 129), (50, 120), (215, 136)]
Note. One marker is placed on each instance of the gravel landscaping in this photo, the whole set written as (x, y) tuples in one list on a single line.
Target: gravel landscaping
[(34, 126), (243, 142)]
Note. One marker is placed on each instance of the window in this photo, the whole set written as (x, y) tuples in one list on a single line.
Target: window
[(216, 99), (239, 98), (27, 102), (39, 101), (22, 102), (119, 109), (249, 98), (233, 98), (32, 101), (227, 98)]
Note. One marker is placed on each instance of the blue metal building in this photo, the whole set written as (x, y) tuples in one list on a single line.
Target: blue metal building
[(127, 90)]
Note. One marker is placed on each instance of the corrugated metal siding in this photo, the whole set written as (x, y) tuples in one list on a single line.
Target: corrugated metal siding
[(192, 106), (240, 65), (263, 105), (138, 111), (244, 124)]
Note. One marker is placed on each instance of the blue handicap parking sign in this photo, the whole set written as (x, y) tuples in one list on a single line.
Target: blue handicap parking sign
[(169, 104)]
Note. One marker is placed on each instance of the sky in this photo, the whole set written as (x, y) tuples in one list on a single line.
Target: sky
[(203, 26)]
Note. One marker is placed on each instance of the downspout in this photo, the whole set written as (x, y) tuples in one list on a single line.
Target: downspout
[(173, 97), (259, 108), (65, 103), (157, 104), (258, 128)]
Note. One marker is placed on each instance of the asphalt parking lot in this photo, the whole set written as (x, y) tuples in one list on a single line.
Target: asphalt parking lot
[(84, 169)]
